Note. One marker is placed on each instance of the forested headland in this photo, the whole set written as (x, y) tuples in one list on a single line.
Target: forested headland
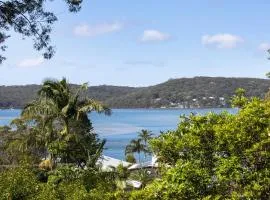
[(197, 92)]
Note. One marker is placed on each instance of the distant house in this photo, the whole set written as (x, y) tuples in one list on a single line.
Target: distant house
[(149, 164), (107, 163), (133, 183)]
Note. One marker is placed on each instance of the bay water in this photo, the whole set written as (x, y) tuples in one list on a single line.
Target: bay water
[(124, 124)]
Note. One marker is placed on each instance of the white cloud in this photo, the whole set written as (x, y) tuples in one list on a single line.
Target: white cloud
[(98, 29), (264, 46), (154, 36), (222, 41), (31, 62)]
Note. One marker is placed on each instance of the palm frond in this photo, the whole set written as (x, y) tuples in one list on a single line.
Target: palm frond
[(92, 159), (90, 105)]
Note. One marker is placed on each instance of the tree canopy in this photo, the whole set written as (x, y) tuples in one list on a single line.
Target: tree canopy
[(56, 125), (29, 18), (215, 156)]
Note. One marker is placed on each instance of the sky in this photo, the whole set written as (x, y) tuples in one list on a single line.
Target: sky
[(146, 42)]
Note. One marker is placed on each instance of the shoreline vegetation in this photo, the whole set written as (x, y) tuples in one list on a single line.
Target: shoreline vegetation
[(197, 92)]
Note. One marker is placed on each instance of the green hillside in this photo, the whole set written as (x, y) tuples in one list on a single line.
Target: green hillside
[(181, 93)]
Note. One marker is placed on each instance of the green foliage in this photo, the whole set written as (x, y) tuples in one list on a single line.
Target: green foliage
[(130, 158), (135, 146), (145, 136), (190, 92), (19, 145), (122, 172), (216, 156), (55, 126), (65, 183), (30, 19), (239, 99), (139, 145), (61, 117), (18, 184), (143, 176)]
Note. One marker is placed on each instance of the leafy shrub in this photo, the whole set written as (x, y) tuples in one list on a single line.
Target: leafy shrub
[(216, 156), (18, 184)]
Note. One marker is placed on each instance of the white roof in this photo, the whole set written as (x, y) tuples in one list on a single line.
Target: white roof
[(142, 165), (151, 163), (133, 183), (107, 163)]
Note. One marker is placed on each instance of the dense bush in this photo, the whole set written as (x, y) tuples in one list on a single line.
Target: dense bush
[(217, 156), (18, 184)]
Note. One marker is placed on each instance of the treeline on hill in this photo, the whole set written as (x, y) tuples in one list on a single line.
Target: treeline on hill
[(197, 92)]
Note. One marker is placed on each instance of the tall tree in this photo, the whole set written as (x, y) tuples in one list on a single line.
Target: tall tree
[(135, 146), (61, 113), (30, 19), (145, 136)]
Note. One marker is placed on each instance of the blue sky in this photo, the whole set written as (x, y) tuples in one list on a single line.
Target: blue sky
[(145, 42)]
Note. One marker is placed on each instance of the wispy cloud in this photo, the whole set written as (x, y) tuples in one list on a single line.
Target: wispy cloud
[(145, 63), (31, 62), (222, 41), (154, 36), (86, 30), (264, 46)]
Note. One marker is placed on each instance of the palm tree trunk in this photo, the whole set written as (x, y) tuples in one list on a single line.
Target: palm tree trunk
[(145, 145)]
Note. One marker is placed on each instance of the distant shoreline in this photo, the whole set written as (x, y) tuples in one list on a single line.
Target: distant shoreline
[(204, 108), (197, 92)]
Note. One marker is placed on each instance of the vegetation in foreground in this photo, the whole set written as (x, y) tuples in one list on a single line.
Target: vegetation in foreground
[(216, 156)]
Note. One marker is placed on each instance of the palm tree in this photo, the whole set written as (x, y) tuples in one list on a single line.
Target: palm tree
[(145, 136), (135, 146), (61, 112), (69, 105)]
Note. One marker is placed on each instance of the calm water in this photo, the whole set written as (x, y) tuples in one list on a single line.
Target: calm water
[(123, 125)]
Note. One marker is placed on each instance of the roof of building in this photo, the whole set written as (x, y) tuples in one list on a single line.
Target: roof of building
[(107, 163), (148, 164), (133, 183)]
